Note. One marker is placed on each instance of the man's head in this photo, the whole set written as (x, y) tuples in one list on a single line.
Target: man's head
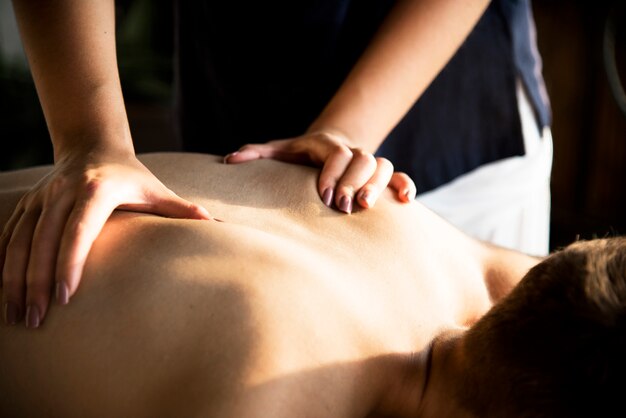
[(556, 346)]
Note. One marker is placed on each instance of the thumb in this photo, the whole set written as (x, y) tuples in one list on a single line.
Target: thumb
[(282, 150), (169, 204), (248, 153)]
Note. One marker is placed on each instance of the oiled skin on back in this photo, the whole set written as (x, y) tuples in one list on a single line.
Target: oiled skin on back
[(283, 302)]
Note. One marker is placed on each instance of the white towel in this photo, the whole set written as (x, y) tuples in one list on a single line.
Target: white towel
[(506, 202)]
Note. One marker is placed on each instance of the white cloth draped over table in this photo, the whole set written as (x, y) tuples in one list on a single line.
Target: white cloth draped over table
[(506, 202)]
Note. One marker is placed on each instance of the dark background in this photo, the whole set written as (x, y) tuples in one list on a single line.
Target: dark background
[(589, 129)]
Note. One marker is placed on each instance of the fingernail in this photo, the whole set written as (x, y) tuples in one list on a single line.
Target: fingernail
[(407, 193), (327, 196), (32, 316), (62, 293), (204, 212), (232, 154), (218, 220), (345, 204), (366, 197), (11, 313)]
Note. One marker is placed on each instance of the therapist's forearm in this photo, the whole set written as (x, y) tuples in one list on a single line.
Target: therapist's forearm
[(414, 43), (70, 46)]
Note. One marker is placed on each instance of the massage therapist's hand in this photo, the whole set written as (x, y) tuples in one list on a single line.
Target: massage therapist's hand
[(348, 174), (46, 241)]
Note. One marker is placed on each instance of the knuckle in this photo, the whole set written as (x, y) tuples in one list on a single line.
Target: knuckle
[(367, 197), (371, 161), (342, 151), (92, 187), (384, 163), (345, 189), (405, 177), (58, 184), (56, 188), (364, 156), (11, 280), (91, 183), (29, 202)]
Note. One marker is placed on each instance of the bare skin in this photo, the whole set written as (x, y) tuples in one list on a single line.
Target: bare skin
[(412, 46), (285, 308), (71, 49), (70, 45)]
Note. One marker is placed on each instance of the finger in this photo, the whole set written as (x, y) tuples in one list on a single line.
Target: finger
[(14, 271), (255, 151), (334, 167), (403, 184), (361, 169), (167, 203), (84, 224), (7, 232), (286, 150), (370, 192), (42, 263)]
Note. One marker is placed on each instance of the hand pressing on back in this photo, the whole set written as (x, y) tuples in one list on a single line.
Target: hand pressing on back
[(349, 174), (46, 241)]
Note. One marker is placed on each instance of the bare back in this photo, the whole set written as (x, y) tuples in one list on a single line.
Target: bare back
[(284, 301)]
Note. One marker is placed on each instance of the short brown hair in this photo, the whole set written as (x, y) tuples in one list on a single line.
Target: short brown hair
[(556, 346)]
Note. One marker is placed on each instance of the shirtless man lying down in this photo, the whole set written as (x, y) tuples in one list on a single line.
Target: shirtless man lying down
[(287, 308)]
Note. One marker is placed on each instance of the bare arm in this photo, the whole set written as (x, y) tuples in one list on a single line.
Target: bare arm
[(70, 45), (71, 50), (411, 47)]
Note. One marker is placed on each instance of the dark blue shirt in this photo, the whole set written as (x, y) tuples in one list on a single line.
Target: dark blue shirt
[(255, 71)]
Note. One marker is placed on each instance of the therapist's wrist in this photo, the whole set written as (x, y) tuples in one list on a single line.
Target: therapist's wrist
[(92, 142), (332, 134), (348, 137)]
